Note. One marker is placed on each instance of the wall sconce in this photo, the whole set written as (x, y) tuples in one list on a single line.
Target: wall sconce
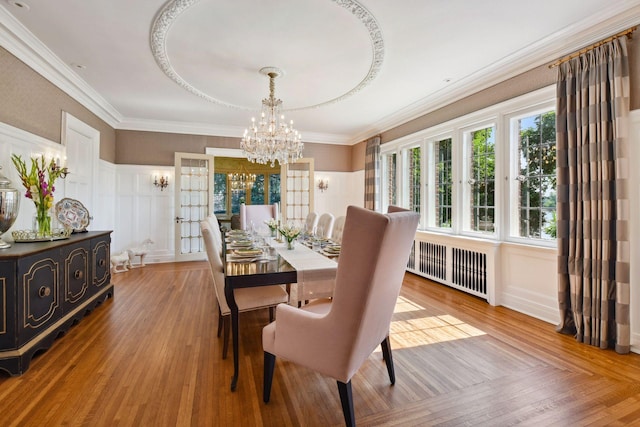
[(163, 182), (323, 184)]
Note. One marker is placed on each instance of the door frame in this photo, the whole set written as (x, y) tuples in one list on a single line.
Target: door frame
[(178, 156)]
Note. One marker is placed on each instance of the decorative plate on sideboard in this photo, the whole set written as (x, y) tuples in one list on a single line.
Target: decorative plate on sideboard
[(72, 214)]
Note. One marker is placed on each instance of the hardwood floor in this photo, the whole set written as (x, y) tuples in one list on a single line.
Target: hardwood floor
[(150, 357)]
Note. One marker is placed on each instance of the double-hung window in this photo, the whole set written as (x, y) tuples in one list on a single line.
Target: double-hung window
[(479, 208), (389, 180), (440, 194), (533, 184), (413, 178)]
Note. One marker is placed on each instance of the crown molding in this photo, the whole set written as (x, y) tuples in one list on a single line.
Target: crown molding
[(21, 43), (190, 128), (544, 51)]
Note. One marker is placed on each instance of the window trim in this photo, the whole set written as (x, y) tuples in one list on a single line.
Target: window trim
[(510, 191), (498, 114)]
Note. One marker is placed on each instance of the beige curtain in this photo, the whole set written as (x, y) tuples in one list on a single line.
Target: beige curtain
[(372, 173), (593, 205)]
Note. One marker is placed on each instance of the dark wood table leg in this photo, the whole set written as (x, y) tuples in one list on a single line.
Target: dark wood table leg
[(231, 301)]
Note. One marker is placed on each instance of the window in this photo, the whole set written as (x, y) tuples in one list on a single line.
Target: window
[(533, 192), (257, 191), (414, 178), (481, 178), (220, 193), (388, 180), (489, 174), (274, 188), (443, 185)]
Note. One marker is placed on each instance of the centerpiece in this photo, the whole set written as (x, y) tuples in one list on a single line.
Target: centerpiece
[(290, 233), (273, 226), (39, 182)]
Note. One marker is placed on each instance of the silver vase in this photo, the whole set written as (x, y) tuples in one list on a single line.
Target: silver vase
[(9, 203)]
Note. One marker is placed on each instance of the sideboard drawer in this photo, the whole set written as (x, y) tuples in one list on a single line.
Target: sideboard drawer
[(8, 336), (39, 290), (76, 276)]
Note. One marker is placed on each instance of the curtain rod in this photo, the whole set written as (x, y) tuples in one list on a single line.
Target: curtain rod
[(627, 32)]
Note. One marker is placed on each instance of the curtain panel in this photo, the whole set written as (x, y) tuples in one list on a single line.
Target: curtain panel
[(592, 191), (372, 174)]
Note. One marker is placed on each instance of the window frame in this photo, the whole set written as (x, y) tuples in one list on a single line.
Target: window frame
[(512, 206), (499, 116)]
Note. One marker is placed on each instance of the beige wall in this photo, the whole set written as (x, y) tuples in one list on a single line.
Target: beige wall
[(157, 148), (30, 102)]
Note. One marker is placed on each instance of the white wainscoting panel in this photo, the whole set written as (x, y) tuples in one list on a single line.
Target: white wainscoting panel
[(144, 212), (529, 280), (27, 145)]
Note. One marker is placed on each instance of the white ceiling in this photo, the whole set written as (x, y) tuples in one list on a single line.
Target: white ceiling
[(430, 52)]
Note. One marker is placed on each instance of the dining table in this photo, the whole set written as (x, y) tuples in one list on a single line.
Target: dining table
[(277, 265)]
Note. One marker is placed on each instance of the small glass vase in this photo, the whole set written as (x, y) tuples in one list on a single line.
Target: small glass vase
[(42, 223), (290, 244)]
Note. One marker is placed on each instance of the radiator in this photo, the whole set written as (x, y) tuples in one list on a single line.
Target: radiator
[(449, 260)]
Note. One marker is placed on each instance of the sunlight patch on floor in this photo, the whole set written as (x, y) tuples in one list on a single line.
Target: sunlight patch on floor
[(412, 327)]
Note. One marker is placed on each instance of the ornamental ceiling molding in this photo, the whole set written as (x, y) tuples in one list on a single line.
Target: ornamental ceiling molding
[(174, 8)]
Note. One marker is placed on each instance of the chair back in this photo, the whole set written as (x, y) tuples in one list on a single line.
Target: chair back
[(338, 228), (373, 260), (257, 214), (311, 222), (215, 228), (215, 264), (325, 225)]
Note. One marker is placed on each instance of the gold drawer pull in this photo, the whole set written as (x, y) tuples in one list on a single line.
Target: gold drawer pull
[(78, 274), (44, 291), (101, 263)]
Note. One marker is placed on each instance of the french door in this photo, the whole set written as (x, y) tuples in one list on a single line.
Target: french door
[(296, 190), (194, 201)]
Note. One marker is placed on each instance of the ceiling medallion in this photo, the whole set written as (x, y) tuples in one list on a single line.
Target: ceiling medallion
[(174, 8)]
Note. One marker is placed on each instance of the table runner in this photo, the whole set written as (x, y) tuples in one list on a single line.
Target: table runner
[(316, 273)]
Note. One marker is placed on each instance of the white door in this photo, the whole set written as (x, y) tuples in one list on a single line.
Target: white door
[(194, 199), (82, 150)]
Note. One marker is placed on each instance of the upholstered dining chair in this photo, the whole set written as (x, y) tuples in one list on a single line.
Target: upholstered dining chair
[(325, 225), (338, 228), (257, 214), (247, 298), (335, 337), (310, 222), (215, 228)]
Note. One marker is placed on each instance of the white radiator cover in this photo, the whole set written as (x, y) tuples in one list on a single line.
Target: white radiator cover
[(463, 263)]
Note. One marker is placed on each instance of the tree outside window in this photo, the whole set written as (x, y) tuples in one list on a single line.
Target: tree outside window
[(414, 159), (443, 183), (536, 179), (481, 171)]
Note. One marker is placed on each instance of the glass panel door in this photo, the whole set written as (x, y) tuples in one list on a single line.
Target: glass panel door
[(194, 197), (296, 185)]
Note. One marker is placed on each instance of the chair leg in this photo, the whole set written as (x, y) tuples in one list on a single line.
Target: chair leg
[(220, 322), (346, 398), (226, 320), (269, 365), (388, 359), (271, 314)]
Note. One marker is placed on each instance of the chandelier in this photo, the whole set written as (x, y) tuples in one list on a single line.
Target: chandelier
[(271, 138), (242, 181)]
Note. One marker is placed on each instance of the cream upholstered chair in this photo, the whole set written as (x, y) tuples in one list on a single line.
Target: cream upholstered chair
[(311, 222), (246, 298), (325, 225), (334, 337), (257, 214), (338, 228), (215, 228)]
